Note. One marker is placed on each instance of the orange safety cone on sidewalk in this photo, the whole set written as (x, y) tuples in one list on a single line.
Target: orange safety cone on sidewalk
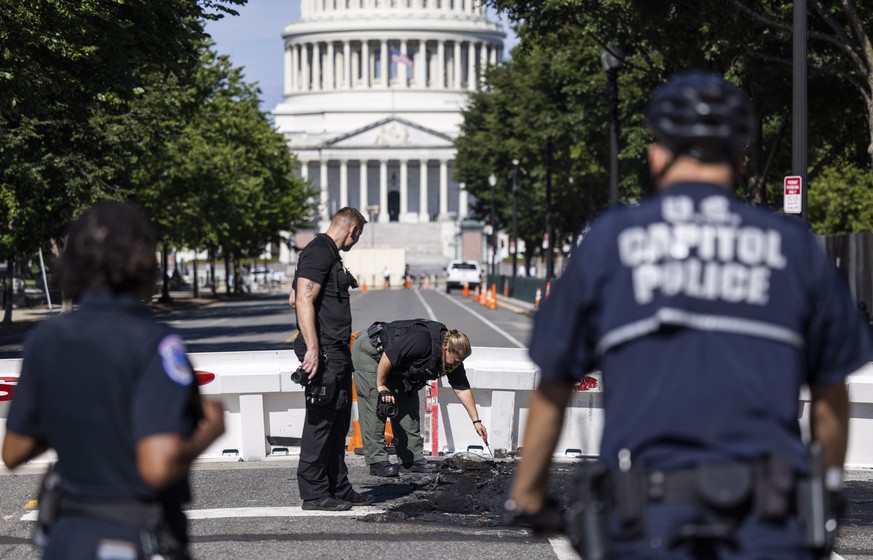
[(505, 287), (466, 292), (537, 298)]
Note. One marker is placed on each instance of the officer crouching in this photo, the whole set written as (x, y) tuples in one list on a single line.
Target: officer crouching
[(393, 361), (706, 316)]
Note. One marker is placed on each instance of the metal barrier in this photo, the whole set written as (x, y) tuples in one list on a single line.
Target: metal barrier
[(263, 405)]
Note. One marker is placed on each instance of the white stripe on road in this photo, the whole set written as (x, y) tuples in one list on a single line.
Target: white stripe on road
[(835, 556), (479, 316), (426, 306), (563, 549), (226, 513)]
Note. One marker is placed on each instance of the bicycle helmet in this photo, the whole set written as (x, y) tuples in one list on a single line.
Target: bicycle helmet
[(701, 116)]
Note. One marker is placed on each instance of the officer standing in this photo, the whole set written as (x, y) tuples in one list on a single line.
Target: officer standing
[(706, 316), (321, 287), (112, 392), (393, 361)]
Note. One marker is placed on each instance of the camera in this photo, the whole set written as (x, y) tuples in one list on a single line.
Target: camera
[(300, 376), (383, 409)]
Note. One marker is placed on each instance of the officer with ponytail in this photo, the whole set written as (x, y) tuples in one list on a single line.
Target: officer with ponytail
[(393, 361)]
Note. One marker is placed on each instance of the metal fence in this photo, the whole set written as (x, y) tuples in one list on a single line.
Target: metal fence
[(852, 254)]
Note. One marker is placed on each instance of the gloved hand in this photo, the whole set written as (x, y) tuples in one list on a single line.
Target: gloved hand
[(549, 520)]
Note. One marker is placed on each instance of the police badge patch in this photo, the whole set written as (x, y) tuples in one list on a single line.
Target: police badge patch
[(172, 352)]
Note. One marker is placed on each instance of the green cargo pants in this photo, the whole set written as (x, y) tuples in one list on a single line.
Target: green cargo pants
[(406, 426)]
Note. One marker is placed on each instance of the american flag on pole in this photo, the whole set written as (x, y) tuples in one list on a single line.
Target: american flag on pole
[(400, 58)]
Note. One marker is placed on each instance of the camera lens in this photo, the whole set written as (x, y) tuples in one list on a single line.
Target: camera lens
[(300, 376)]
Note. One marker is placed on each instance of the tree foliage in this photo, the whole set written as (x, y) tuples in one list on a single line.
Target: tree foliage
[(554, 86)]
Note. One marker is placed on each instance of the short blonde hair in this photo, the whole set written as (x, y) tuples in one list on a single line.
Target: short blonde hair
[(458, 344)]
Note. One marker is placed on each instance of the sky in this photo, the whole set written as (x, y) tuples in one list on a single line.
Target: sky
[(253, 40)]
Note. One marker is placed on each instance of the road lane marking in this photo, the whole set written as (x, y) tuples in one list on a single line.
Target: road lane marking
[(293, 336), (505, 334), (430, 312), (563, 549), (230, 513), (31, 504)]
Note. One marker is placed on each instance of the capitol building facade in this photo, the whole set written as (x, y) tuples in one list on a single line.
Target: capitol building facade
[(373, 93)]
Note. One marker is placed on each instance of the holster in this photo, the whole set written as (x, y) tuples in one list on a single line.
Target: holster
[(587, 519), (50, 496)]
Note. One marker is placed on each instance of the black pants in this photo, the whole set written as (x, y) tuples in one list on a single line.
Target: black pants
[(322, 469)]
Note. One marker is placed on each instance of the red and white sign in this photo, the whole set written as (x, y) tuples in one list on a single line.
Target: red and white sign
[(792, 203)]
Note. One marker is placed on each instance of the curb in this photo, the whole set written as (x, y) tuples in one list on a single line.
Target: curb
[(516, 305)]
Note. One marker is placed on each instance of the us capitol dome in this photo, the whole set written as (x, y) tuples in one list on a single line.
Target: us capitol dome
[(373, 92)]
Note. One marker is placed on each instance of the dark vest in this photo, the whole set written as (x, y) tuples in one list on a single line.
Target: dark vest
[(426, 368)]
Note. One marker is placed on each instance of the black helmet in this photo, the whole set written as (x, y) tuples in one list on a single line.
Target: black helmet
[(702, 116)]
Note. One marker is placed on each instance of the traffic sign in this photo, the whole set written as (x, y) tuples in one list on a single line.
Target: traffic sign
[(793, 191)]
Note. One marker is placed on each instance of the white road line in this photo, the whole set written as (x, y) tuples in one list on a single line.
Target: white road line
[(479, 316), (426, 306), (563, 549), (835, 556), (226, 513)]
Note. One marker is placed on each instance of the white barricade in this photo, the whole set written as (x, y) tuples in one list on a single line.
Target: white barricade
[(262, 404)]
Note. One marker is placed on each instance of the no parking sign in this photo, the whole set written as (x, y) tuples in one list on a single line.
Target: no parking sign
[(793, 191)]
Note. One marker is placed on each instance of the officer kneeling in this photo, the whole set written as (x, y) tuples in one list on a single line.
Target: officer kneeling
[(706, 316), (393, 361)]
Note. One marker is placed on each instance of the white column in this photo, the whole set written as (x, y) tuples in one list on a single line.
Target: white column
[(458, 8), (402, 68), (289, 64), (441, 64), (316, 67), (295, 65), (463, 201), (347, 65), (384, 65), (444, 188), (363, 201), (471, 66), (365, 63), (304, 170), (421, 63), (307, 72), (383, 191), (323, 186), (457, 64), (422, 192), (344, 183), (404, 189), (330, 68), (492, 51), (483, 61)]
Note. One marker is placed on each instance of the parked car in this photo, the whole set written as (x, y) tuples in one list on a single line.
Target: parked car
[(460, 272)]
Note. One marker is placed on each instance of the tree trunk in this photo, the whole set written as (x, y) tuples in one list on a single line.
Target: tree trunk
[(8, 290), (226, 274), (196, 288), (212, 272)]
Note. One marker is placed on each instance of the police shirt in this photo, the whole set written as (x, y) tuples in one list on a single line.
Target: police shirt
[(414, 348), (320, 262), (97, 381), (706, 316)]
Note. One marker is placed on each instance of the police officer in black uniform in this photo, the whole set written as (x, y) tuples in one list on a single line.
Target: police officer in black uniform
[(706, 316), (321, 287), (112, 392), (393, 361)]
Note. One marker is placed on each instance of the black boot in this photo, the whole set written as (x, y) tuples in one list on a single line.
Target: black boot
[(384, 468)]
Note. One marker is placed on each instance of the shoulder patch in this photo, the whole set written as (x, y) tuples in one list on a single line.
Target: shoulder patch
[(171, 349)]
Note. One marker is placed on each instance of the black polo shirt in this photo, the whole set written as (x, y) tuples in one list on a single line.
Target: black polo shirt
[(414, 348), (320, 262)]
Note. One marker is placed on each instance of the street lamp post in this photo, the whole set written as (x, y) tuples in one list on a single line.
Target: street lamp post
[(611, 61), (514, 222), (492, 180)]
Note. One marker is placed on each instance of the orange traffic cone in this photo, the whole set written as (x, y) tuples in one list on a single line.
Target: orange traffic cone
[(364, 286), (466, 290), (537, 298), (476, 295), (548, 288), (492, 301), (356, 444), (389, 434), (505, 287)]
